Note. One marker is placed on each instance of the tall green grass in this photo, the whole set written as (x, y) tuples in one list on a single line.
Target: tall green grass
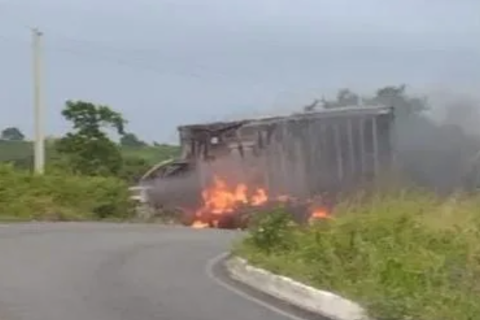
[(60, 196), (406, 255)]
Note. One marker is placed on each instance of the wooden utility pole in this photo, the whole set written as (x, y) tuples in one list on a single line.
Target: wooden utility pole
[(39, 148)]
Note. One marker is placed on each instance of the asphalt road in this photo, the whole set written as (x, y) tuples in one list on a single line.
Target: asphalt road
[(72, 271)]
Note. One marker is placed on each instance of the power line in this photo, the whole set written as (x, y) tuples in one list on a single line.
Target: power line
[(141, 64), (12, 40), (123, 62), (134, 63), (138, 64), (95, 45)]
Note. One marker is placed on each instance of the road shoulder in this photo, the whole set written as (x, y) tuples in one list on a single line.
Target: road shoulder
[(314, 301)]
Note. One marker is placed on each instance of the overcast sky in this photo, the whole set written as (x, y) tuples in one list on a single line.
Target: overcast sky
[(169, 62)]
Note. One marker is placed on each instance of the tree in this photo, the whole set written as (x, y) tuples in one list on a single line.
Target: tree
[(131, 140), (389, 96), (88, 148), (397, 98), (12, 134), (345, 98)]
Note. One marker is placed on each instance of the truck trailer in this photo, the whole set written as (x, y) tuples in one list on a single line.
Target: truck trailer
[(300, 156)]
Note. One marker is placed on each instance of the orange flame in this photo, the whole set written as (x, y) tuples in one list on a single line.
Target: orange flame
[(220, 199), (317, 214), (199, 225)]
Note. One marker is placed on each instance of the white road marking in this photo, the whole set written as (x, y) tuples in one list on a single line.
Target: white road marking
[(209, 271)]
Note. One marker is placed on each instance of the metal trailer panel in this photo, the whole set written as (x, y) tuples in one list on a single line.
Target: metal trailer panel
[(300, 155), (312, 156)]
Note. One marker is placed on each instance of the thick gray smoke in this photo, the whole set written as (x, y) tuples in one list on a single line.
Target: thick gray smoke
[(436, 148), (179, 192)]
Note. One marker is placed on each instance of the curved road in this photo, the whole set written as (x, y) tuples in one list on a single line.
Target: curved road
[(72, 271)]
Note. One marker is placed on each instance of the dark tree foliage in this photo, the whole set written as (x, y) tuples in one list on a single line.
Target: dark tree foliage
[(12, 134), (131, 140), (87, 147)]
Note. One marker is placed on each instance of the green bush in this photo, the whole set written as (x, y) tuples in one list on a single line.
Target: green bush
[(59, 196), (133, 169), (136, 160), (402, 256), (272, 231)]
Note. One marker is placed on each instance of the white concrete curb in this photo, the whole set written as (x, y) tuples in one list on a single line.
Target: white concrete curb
[(321, 302)]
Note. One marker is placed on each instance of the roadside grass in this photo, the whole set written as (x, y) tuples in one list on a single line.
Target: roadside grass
[(403, 256), (61, 197)]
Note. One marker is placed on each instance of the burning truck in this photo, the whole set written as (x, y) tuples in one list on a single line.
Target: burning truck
[(227, 170)]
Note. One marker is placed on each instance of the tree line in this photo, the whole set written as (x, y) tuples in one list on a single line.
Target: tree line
[(88, 148), (442, 155), (433, 153), (396, 97)]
